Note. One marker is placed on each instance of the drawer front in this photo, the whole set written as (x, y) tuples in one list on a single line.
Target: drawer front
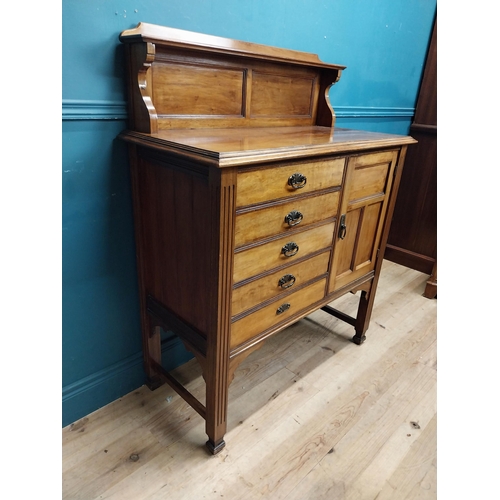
[(255, 292), (258, 186), (370, 175), (259, 321), (261, 223), (262, 258)]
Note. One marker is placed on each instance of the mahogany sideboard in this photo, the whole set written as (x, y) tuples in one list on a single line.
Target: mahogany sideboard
[(251, 209)]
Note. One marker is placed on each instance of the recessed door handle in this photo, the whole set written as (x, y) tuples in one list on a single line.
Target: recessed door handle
[(342, 227)]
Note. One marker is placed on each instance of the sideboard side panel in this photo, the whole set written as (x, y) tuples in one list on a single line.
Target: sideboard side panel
[(174, 222)]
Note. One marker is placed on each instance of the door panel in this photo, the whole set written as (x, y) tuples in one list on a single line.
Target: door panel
[(365, 253), (367, 187)]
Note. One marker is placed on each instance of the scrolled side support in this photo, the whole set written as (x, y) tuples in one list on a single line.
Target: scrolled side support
[(325, 116), (142, 111)]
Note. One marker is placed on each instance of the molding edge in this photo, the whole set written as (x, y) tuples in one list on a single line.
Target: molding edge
[(76, 109), (373, 112), (79, 109)]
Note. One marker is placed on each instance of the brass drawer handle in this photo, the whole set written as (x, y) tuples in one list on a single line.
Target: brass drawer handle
[(293, 218), (297, 180), (342, 227), (282, 308), (286, 281), (290, 249)]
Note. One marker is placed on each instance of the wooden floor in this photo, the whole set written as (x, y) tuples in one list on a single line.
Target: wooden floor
[(311, 416)]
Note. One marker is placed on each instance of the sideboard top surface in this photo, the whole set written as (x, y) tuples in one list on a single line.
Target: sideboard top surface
[(229, 147)]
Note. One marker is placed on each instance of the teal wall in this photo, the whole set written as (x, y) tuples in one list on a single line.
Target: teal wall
[(383, 44)]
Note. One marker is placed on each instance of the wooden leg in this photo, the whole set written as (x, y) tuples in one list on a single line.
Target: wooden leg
[(359, 338), (223, 185), (151, 348), (430, 291), (216, 402), (215, 434), (214, 449), (362, 319), (364, 314)]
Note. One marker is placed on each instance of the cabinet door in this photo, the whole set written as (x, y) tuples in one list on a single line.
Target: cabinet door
[(366, 194)]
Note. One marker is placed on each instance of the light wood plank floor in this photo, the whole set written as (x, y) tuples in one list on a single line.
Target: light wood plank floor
[(311, 416)]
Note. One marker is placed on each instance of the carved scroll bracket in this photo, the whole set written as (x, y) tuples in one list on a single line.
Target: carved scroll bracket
[(142, 108), (326, 114)]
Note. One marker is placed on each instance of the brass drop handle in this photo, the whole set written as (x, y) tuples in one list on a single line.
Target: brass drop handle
[(290, 249), (286, 281), (342, 227), (297, 180), (282, 308), (293, 218)]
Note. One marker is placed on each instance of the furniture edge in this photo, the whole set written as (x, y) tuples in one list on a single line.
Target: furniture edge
[(252, 157), (146, 32)]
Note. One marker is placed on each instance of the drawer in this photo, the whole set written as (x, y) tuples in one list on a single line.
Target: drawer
[(255, 292), (267, 256), (249, 326), (258, 186), (263, 222)]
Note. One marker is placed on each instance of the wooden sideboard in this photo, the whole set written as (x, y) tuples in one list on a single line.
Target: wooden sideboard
[(251, 209)]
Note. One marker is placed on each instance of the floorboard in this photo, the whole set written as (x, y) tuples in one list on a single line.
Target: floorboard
[(312, 416)]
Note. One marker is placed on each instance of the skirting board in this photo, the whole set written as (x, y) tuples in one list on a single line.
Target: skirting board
[(99, 389), (407, 258)]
